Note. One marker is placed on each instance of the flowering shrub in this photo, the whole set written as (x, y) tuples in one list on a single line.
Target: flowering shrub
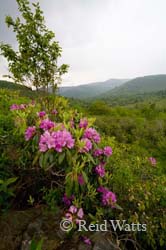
[(68, 145), (83, 176)]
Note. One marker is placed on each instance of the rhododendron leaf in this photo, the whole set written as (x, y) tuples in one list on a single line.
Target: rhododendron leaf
[(36, 158), (10, 180), (43, 160), (118, 207), (51, 157), (91, 158), (85, 177), (69, 184), (61, 157), (92, 217), (69, 157)]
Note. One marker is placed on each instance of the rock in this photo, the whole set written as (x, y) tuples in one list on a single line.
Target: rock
[(83, 246), (103, 241), (19, 228)]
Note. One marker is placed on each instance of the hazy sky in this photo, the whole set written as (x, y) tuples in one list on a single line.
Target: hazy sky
[(102, 39)]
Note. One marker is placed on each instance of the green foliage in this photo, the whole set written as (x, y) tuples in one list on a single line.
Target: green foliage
[(6, 191), (35, 63), (36, 245), (21, 90), (134, 132)]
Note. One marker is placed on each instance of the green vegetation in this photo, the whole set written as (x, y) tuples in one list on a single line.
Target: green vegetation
[(97, 161), (135, 132), (138, 86), (118, 90), (90, 90)]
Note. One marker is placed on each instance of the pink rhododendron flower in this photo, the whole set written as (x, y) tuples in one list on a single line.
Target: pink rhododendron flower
[(80, 213), (67, 200), (83, 123), (54, 112), (29, 133), (86, 240), (41, 114), (23, 106), (74, 214), (152, 161), (81, 180), (63, 138), (98, 152), (47, 124), (14, 107), (108, 197), (91, 133), (100, 170), (69, 216), (56, 140), (46, 142), (72, 209), (87, 145), (107, 151), (18, 107)]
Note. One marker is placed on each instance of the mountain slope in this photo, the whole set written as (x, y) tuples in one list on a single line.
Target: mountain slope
[(23, 90), (90, 90), (139, 85)]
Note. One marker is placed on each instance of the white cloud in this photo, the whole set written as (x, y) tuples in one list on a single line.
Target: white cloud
[(108, 38)]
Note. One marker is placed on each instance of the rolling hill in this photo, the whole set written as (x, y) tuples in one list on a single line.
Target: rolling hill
[(137, 86), (23, 90), (113, 88), (90, 90)]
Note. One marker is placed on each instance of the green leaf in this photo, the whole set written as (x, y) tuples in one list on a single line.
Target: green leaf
[(10, 181), (61, 157), (36, 158), (118, 207), (91, 158), (85, 177)]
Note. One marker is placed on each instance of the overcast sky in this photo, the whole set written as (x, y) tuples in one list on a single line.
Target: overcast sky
[(102, 39)]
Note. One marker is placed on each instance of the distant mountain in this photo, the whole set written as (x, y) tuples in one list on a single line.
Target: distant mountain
[(139, 85), (90, 90)]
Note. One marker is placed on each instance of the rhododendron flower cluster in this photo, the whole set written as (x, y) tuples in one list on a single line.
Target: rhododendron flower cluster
[(97, 152), (91, 133), (74, 214), (67, 200), (87, 145), (41, 114), (108, 197), (30, 132), (81, 180), (47, 124), (56, 140), (100, 170), (18, 107), (107, 151), (152, 160), (83, 123)]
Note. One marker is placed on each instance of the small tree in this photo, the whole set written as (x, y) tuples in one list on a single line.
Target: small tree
[(35, 62)]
